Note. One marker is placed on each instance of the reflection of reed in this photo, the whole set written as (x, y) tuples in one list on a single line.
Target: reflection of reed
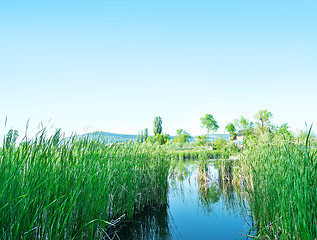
[(208, 190), (151, 223), (226, 170), (179, 171), (233, 196)]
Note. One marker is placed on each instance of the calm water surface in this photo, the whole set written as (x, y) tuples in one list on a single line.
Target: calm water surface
[(199, 207)]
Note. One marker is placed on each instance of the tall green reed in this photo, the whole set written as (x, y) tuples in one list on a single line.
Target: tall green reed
[(282, 185), (72, 189), (194, 154)]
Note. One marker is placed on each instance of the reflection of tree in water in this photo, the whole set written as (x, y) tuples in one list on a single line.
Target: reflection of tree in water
[(151, 223)]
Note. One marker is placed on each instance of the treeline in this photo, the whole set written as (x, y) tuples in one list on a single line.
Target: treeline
[(242, 133)]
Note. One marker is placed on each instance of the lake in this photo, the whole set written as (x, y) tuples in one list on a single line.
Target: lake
[(199, 207)]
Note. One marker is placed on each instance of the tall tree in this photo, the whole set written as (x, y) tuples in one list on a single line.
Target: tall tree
[(246, 128), (243, 124), (263, 117), (231, 129), (157, 125), (209, 123)]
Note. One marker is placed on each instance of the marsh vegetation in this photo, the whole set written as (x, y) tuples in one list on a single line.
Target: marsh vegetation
[(74, 189), (87, 188)]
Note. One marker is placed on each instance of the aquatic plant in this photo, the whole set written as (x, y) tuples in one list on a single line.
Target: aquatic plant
[(194, 154), (282, 186), (74, 188)]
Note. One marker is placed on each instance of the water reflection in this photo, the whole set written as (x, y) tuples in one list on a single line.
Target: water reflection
[(199, 207), (208, 190), (152, 223)]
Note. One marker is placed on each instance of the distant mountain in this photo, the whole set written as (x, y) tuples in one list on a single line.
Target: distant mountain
[(110, 137), (114, 137)]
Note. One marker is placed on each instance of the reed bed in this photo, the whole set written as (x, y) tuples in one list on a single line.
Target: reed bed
[(195, 154), (281, 180), (73, 189), (226, 170)]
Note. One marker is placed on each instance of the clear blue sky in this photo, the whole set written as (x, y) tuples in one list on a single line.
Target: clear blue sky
[(115, 65)]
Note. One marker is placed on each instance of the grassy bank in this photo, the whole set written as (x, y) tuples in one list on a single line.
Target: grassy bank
[(72, 190), (282, 185)]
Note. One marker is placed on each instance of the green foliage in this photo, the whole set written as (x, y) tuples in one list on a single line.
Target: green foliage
[(282, 186), (209, 123), (301, 136), (266, 137), (283, 133), (73, 189), (141, 137), (11, 138), (219, 144), (246, 129), (226, 170), (243, 124), (157, 125), (162, 138), (146, 134), (263, 117), (56, 137), (194, 154), (150, 139), (202, 140), (231, 130), (182, 136)]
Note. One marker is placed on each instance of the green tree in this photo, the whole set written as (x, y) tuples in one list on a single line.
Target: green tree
[(243, 124), (209, 123), (219, 144), (182, 136), (162, 138), (202, 140), (284, 131), (150, 139), (263, 117), (231, 130), (157, 125), (138, 137), (246, 128)]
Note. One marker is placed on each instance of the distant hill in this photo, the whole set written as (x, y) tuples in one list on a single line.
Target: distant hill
[(110, 137), (115, 137)]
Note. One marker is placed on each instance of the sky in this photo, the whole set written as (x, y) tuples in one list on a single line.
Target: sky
[(113, 66)]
